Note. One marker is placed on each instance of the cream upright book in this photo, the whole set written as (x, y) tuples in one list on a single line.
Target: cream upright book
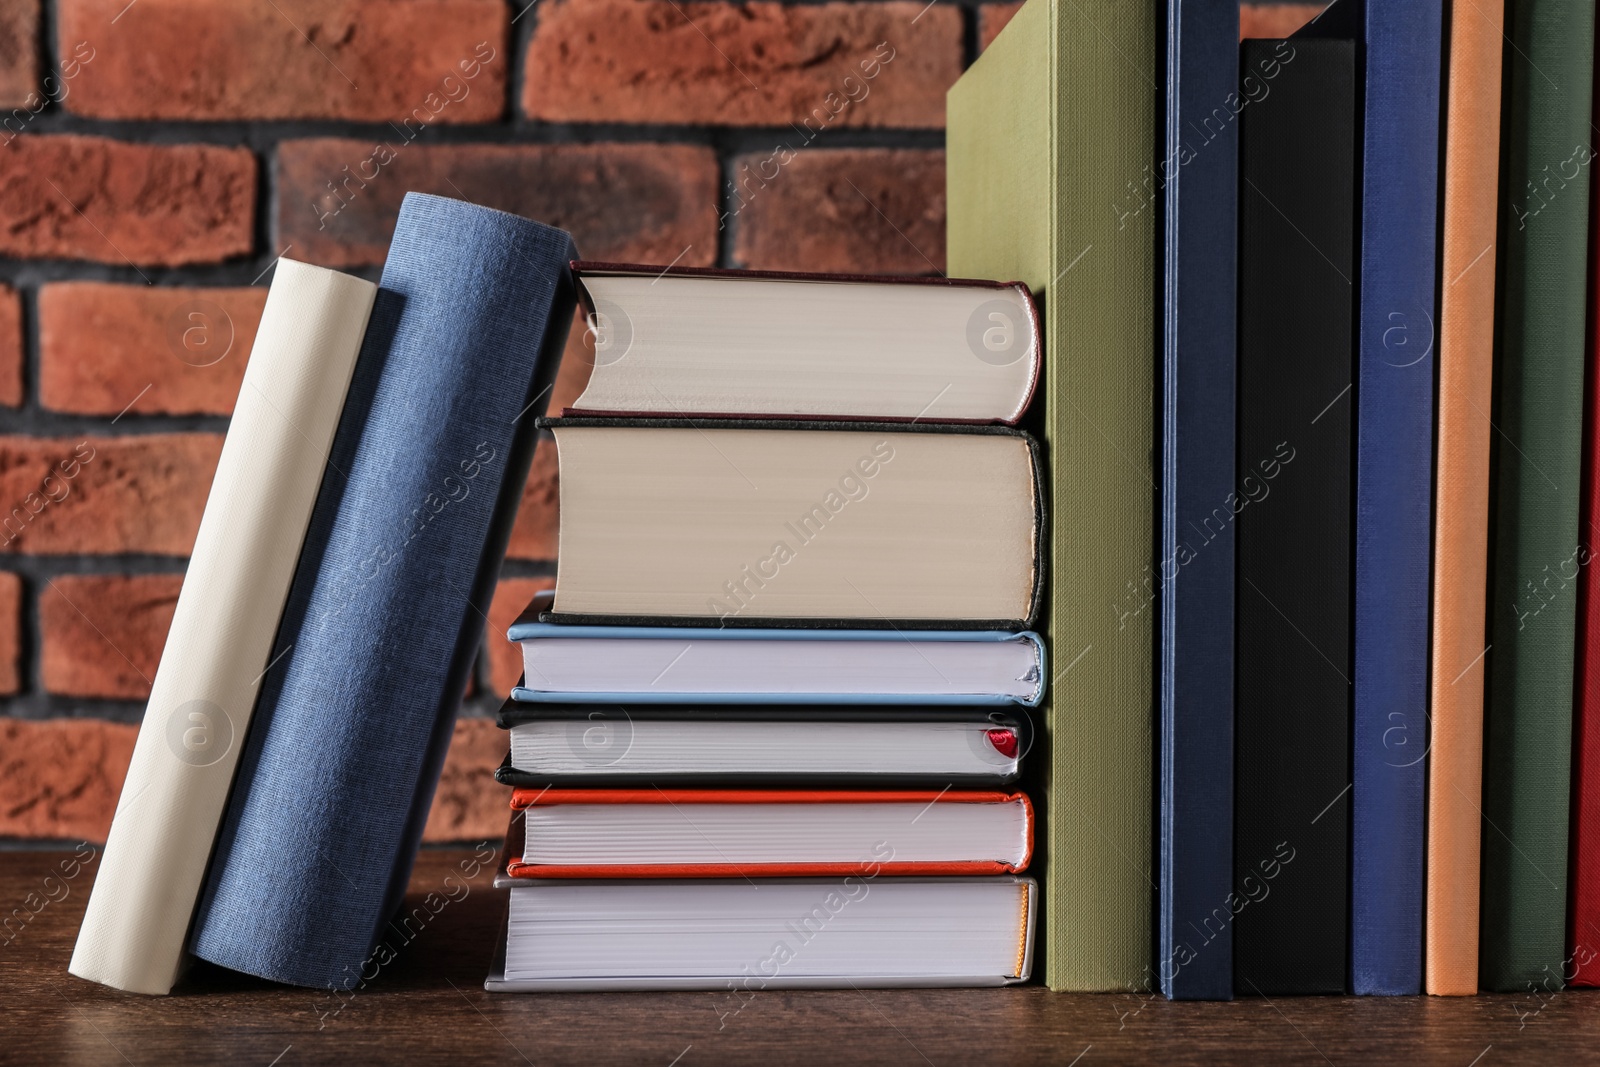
[(217, 649)]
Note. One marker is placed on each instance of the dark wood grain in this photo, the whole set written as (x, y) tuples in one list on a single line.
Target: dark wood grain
[(428, 1007)]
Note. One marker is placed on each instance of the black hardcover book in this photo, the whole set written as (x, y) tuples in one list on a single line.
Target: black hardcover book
[(1290, 903), (762, 746)]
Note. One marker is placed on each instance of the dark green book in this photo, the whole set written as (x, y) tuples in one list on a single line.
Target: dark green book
[(1539, 414)]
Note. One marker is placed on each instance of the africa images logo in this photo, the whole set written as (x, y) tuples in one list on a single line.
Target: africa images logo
[(199, 733)]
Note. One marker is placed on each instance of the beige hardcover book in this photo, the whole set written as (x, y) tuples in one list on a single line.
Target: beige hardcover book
[(1051, 150), (222, 632)]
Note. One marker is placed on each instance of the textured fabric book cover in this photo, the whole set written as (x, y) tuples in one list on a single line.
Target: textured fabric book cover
[(386, 610), (1289, 905), (1200, 170), (1053, 137), (1461, 510), (1544, 228), (222, 631), (1402, 42)]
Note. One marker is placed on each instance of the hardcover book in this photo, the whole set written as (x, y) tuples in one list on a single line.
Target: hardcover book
[(1288, 912), (669, 664), (720, 745), (1546, 144), (1401, 53), (767, 833), (220, 640), (697, 341), (1052, 139), (387, 606), (856, 932), (1461, 510), (745, 523), (1200, 172)]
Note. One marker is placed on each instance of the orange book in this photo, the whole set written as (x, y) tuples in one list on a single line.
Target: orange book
[(1466, 366), (766, 833)]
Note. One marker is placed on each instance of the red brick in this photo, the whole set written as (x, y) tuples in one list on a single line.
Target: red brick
[(61, 778), (71, 197), (10, 347), (139, 494), (1275, 20), (639, 202), (362, 60), (469, 804), (10, 632), (19, 55), (511, 596), (867, 210), (992, 18), (102, 635), (752, 64), (178, 351), (1255, 20), (535, 533)]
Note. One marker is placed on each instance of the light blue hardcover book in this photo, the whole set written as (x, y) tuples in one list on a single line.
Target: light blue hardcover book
[(574, 664)]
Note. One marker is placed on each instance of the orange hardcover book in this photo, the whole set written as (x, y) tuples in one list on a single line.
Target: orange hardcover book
[(1461, 522), (734, 833)]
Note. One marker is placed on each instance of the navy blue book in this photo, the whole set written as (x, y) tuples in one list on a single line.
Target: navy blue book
[(1198, 494), (1403, 41), (388, 602)]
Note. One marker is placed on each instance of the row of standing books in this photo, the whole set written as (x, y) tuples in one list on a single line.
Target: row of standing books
[(773, 716), (1364, 256)]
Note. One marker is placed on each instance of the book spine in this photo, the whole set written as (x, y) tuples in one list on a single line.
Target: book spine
[(1289, 902), (1539, 411), (1102, 333), (222, 630), (1200, 169), (1583, 933), (1394, 484), (388, 603), (1461, 516)]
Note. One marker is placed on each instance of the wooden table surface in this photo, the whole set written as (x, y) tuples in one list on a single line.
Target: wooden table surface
[(428, 1006)]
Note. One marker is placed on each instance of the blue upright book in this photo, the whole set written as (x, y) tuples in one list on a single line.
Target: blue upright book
[(387, 606), (1399, 43), (1199, 498)]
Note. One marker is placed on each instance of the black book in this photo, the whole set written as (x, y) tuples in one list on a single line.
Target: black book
[(1290, 902)]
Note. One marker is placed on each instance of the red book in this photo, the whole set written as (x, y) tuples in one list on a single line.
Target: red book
[(730, 833), (1582, 966)]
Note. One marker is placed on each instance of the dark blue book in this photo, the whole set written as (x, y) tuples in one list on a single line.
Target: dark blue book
[(1399, 43), (1200, 175), (388, 602)]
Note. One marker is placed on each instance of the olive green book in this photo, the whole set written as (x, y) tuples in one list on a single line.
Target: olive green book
[(1544, 236), (1052, 152)]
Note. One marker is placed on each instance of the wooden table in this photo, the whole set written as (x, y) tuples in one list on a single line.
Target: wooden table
[(428, 1007)]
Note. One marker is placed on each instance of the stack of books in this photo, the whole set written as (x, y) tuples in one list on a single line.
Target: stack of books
[(772, 720)]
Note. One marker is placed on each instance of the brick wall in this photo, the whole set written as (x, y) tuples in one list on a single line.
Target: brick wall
[(157, 156)]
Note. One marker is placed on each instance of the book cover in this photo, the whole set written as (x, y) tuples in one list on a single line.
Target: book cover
[(690, 804), (1021, 335), (1052, 143), (1200, 170), (1289, 906), (387, 607), (222, 631), (609, 731), (1461, 511), (1399, 58), (1538, 409)]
